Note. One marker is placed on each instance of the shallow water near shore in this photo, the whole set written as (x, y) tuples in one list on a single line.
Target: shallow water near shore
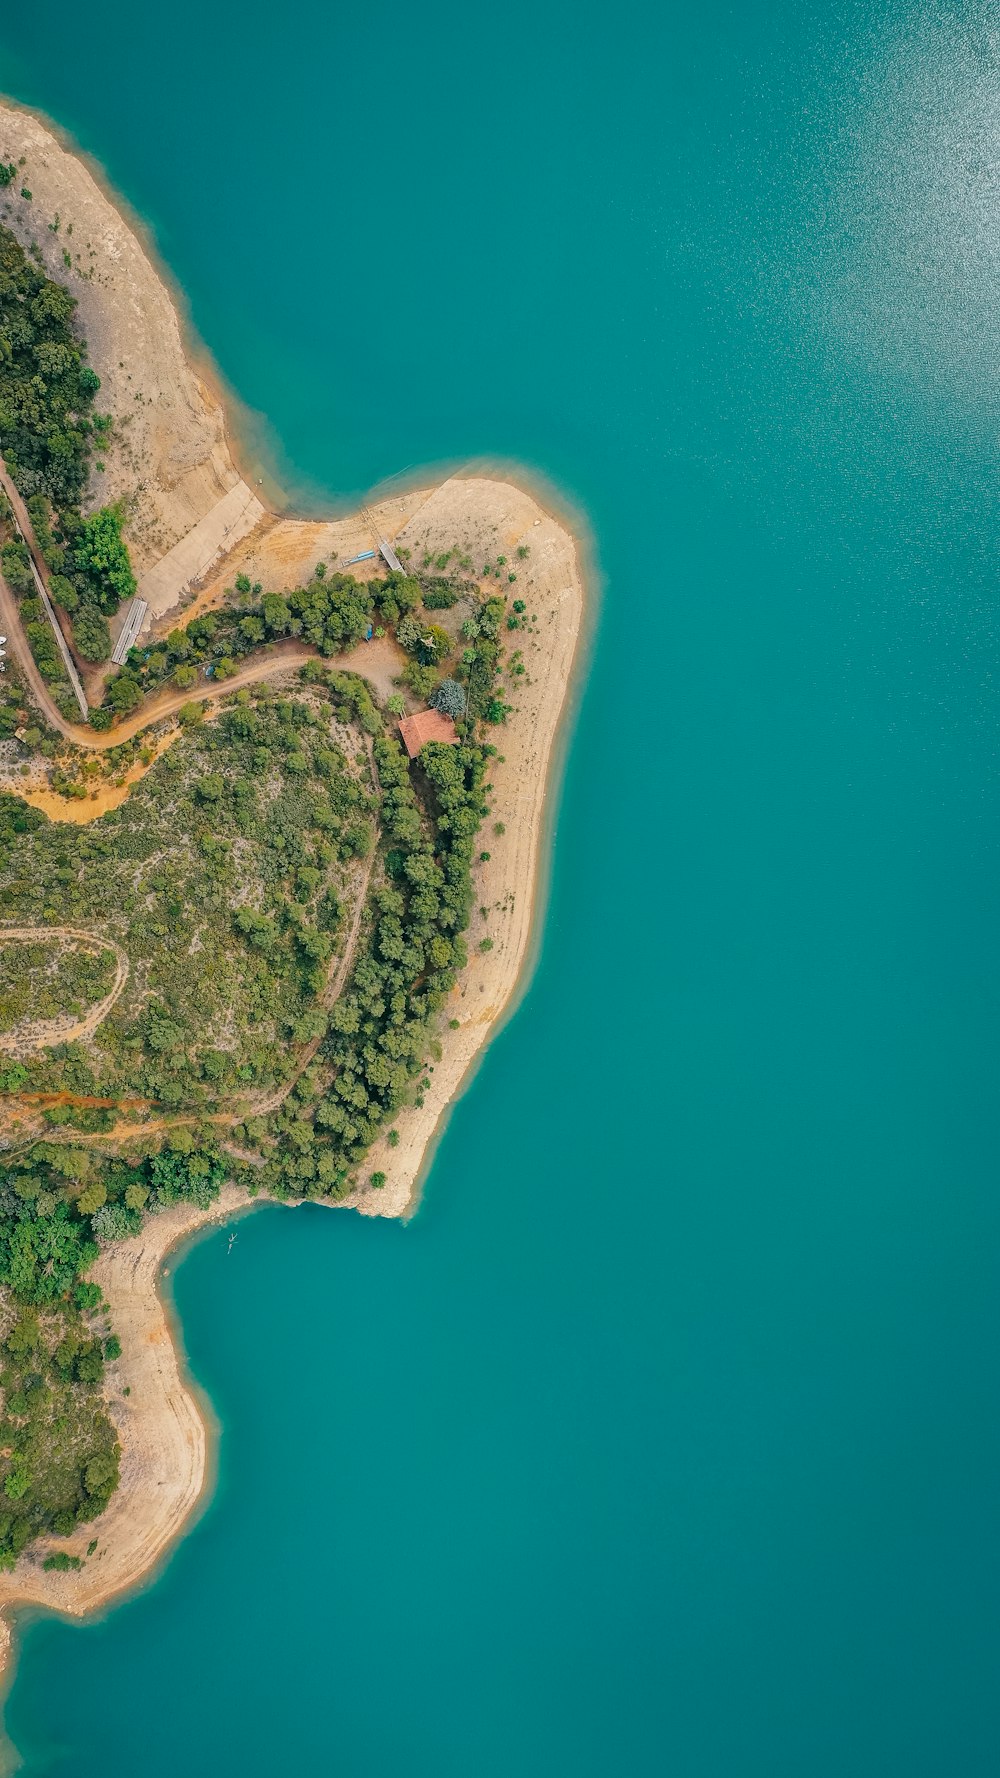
[(664, 1438)]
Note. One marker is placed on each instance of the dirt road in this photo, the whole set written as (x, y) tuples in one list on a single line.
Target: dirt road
[(378, 661)]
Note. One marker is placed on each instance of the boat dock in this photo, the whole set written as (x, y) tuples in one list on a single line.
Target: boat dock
[(385, 548)]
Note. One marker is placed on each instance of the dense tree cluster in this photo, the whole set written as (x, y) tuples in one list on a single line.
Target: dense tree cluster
[(382, 1028), (480, 663), (58, 1449), (47, 388), (332, 613), (48, 428), (101, 558)]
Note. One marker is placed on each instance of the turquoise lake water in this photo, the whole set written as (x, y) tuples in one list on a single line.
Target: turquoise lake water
[(664, 1440)]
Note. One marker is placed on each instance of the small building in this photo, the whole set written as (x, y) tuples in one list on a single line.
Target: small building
[(427, 725), (135, 616)]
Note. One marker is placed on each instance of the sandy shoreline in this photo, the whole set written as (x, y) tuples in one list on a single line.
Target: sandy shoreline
[(176, 472), (161, 1428)]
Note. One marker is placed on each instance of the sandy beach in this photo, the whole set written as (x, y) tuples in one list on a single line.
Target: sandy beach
[(194, 524), (161, 1428)]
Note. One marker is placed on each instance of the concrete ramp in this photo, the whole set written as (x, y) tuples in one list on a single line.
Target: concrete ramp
[(230, 520)]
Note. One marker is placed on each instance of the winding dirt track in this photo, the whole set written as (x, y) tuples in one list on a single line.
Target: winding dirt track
[(380, 661), (259, 1105), (278, 659), (381, 658), (267, 1102), (51, 1031)]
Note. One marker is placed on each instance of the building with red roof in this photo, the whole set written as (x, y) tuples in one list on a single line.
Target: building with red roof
[(427, 725)]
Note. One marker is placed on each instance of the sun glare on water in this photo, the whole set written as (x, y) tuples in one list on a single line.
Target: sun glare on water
[(908, 225)]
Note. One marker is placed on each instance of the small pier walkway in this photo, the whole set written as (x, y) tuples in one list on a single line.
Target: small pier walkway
[(385, 548)]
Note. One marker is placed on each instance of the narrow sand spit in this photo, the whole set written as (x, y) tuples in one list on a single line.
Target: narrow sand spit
[(175, 469)]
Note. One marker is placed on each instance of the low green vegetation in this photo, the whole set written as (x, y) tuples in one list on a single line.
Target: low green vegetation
[(42, 980), (225, 876)]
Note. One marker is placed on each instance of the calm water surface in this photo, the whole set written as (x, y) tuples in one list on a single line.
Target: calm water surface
[(664, 1440)]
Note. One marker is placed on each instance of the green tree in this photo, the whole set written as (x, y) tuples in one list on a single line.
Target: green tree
[(15, 565), (91, 633), (102, 558)]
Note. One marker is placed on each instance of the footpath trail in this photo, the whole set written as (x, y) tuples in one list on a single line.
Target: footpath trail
[(53, 1030), (17, 642), (43, 586)]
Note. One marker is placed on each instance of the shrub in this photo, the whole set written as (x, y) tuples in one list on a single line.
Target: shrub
[(64, 592), (450, 698), (115, 1222), (124, 693), (91, 633), (16, 566)]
